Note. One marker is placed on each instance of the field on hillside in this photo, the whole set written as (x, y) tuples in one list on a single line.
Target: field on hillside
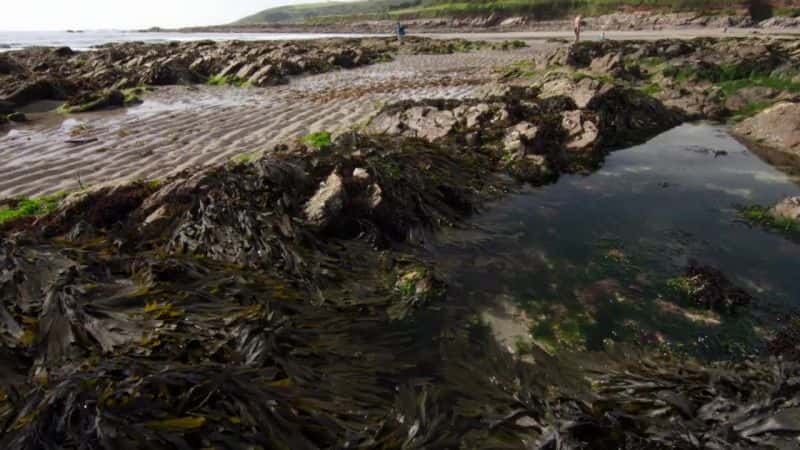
[(544, 9)]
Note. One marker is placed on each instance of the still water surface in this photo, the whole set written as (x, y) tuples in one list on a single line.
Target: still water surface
[(587, 261)]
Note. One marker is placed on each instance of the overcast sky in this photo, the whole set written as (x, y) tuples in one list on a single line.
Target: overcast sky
[(117, 14)]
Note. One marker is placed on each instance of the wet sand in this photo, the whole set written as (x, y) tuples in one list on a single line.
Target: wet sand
[(180, 127)]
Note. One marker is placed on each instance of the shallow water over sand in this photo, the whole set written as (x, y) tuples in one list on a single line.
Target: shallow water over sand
[(588, 260), (85, 40)]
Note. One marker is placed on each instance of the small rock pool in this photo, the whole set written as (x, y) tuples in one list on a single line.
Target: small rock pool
[(591, 260)]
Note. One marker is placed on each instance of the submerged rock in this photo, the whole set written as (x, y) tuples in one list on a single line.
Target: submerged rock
[(709, 288), (786, 342), (777, 127)]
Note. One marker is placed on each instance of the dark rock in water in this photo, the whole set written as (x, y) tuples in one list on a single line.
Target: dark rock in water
[(418, 287), (42, 89), (94, 101), (6, 107), (787, 342), (17, 117), (709, 288)]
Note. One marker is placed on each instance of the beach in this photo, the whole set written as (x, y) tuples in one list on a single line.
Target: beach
[(500, 240)]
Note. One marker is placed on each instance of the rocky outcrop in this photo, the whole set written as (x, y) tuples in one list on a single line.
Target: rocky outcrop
[(777, 127), (536, 132), (702, 78)]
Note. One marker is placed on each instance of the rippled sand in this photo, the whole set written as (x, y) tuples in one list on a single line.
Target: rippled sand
[(180, 127)]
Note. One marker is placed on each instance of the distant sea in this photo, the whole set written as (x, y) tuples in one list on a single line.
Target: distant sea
[(85, 40)]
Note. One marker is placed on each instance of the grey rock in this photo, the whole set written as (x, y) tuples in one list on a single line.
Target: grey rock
[(582, 134), (327, 202), (777, 127)]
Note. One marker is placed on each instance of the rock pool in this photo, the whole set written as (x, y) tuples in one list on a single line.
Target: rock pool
[(593, 259)]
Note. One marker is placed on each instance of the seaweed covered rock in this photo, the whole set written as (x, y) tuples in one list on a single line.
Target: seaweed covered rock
[(708, 287), (786, 342), (40, 89), (104, 207), (417, 287), (94, 101)]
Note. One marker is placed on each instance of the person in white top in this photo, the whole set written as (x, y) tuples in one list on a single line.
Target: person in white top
[(577, 24)]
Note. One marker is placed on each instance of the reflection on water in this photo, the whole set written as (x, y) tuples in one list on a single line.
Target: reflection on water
[(589, 259)]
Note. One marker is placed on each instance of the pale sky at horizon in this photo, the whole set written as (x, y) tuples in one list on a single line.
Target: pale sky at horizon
[(36, 15)]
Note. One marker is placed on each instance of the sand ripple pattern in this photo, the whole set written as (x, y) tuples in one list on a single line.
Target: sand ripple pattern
[(181, 127)]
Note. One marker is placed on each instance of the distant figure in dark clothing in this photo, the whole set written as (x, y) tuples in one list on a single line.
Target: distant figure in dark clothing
[(400, 29)]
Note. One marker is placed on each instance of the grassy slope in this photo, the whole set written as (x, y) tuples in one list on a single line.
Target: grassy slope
[(390, 9)]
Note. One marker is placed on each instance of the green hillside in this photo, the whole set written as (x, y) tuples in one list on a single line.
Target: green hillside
[(300, 13), (544, 9)]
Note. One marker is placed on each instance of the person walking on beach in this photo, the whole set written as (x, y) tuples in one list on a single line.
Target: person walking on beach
[(577, 24), (400, 29)]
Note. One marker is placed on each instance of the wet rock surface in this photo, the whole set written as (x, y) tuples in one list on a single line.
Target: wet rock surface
[(708, 287)]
